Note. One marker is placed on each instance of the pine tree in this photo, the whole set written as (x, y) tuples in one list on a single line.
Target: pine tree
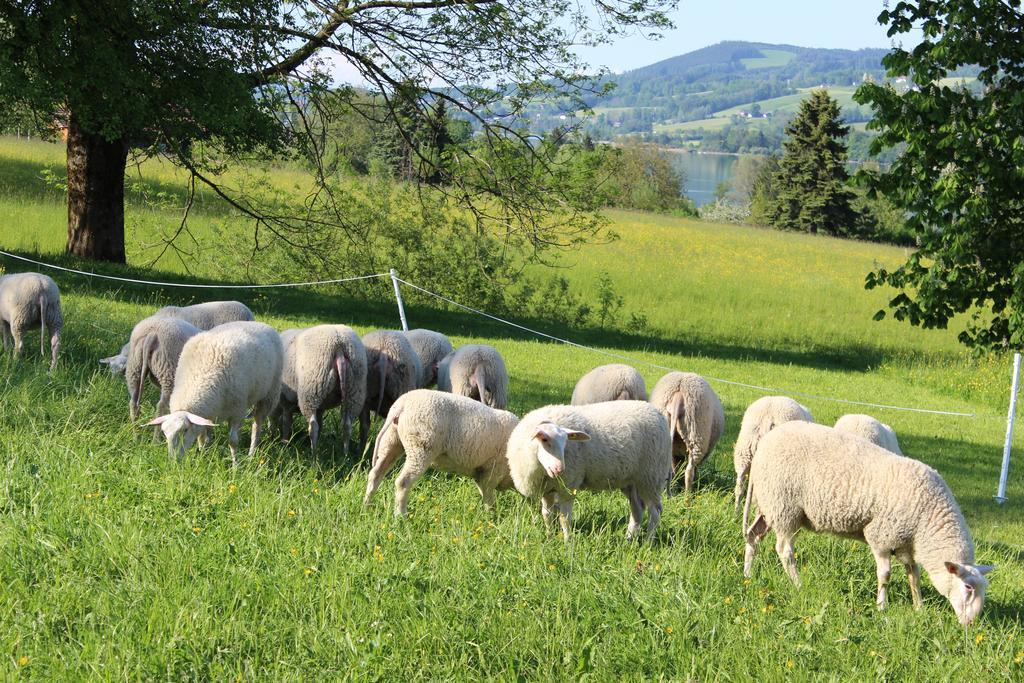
[(811, 192)]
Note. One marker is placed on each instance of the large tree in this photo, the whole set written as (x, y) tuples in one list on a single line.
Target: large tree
[(811, 181), (247, 77), (960, 182)]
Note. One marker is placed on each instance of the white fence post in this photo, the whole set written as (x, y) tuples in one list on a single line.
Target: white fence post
[(1005, 471), (398, 297)]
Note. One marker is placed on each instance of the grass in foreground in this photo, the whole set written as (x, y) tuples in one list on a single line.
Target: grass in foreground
[(117, 562)]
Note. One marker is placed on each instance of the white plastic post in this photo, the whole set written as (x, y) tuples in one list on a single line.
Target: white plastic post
[(398, 298), (1005, 471)]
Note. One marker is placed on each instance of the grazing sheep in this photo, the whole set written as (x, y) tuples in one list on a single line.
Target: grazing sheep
[(154, 350), (871, 429), (622, 445), (392, 369), (324, 367), (615, 382), (431, 348), (695, 418), (27, 300), (761, 416), (221, 373), (808, 475), (477, 371), (453, 433), (205, 316)]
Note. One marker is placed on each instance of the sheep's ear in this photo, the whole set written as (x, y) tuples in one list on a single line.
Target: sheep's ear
[(157, 420), (540, 434), (954, 568), (200, 421), (108, 360), (984, 568), (573, 435)]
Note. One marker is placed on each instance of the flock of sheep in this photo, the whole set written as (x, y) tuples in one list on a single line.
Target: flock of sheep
[(214, 363)]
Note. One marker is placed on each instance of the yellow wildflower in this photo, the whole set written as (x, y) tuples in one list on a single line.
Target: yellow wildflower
[(551, 567), (377, 554), (294, 552), (807, 620), (790, 663), (197, 530), (978, 638), (1019, 659), (23, 660), (291, 513), (728, 600), (668, 630), (232, 488)]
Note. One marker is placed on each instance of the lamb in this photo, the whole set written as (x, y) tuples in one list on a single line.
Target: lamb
[(392, 369), (761, 416), (154, 350), (205, 316), (431, 348), (324, 367), (477, 371), (808, 475), (615, 382), (221, 373), (871, 429), (453, 433), (27, 300), (695, 418), (624, 445)]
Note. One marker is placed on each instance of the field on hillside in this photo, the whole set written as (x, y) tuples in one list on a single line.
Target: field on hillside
[(769, 58), (120, 563)]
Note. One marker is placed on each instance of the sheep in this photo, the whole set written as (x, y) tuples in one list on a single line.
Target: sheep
[(205, 316), (477, 371), (453, 433), (624, 445), (809, 475), (27, 300), (615, 382), (431, 348), (695, 418), (154, 350), (221, 373), (392, 369), (761, 417), (324, 367), (871, 429)]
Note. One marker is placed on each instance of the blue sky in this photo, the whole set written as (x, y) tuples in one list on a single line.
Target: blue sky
[(849, 24)]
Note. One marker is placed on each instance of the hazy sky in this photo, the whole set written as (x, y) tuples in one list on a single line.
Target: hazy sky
[(847, 24)]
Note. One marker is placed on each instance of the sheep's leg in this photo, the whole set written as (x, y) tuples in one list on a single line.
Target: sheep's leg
[(233, 440), (653, 516), (913, 577), (314, 431), (565, 515), (8, 338), (285, 418), (741, 487), (364, 428), (784, 549), (486, 487), (883, 569), (547, 504), (636, 512), (416, 463), (54, 350), (204, 438), (17, 334), (753, 536), (346, 433), (386, 457)]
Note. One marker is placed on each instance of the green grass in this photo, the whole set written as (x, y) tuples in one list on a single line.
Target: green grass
[(118, 563), (790, 103), (769, 58)]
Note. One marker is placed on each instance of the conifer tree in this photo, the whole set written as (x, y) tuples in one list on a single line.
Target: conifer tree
[(811, 191)]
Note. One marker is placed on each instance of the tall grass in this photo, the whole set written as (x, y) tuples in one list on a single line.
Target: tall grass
[(120, 563)]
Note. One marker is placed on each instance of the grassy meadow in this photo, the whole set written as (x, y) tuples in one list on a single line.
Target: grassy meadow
[(118, 563)]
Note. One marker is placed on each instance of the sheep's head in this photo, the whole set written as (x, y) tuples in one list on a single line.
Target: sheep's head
[(967, 589), (551, 439), (181, 429), (116, 364)]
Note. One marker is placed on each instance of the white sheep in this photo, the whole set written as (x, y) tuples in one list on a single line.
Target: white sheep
[(431, 347), (392, 369), (324, 367), (205, 316), (695, 418), (221, 374), (761, 416), (871, 429), (452, 433), (476, 371), (614, 382), (621, 445), (809, 475), (27, 300), (154, 349)]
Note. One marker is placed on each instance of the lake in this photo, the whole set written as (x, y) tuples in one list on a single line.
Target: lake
[(702, 174)]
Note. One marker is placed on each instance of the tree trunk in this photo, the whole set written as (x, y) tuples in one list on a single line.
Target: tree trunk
[(95, 194)]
